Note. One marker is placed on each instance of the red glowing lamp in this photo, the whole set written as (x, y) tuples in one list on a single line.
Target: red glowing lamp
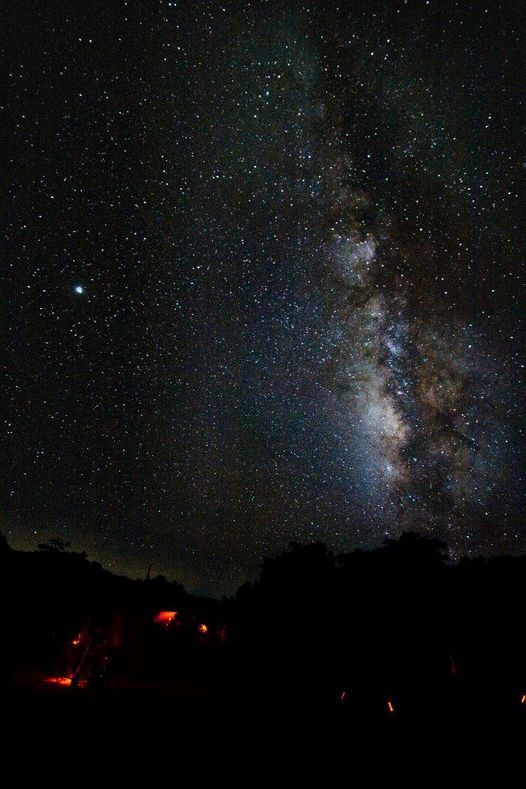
[(165, 618), (64, 681), (203, 628)]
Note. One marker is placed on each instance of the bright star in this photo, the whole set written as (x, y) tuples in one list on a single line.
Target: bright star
[(79, 289)]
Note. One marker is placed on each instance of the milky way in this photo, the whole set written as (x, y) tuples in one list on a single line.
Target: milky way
[(428, 393), (266, 279)]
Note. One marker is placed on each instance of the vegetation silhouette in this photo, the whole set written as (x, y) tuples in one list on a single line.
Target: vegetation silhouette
[(400, 631)]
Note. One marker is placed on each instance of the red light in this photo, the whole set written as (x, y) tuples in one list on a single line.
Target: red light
[(76, 641), (65, 681), (203, 628), (165, 618), (523, 698), (343, 696), (390, 706)]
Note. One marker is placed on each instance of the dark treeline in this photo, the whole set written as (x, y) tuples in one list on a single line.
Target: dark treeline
[(400, 625), (399, 621)]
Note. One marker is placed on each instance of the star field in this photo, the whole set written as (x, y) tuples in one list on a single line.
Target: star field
[(265, 279)]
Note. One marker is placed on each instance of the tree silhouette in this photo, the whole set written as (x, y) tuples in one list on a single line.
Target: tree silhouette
[(59, 546), (55, 545), (413, 549), (4, 545)]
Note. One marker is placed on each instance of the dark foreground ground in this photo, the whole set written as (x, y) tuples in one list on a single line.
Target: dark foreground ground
[(378, 657), (36, 707), (184, 735)]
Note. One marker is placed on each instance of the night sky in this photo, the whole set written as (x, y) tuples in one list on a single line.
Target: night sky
[(265, 279)]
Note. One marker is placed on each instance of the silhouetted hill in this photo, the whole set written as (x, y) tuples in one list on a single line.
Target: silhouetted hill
[(396, 631)]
